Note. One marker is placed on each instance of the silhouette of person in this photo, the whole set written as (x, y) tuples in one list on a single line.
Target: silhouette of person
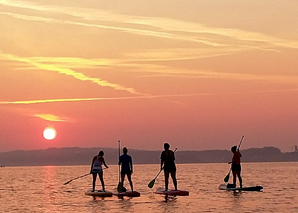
[(167, 163), (125, 161), (96, 168), (236, 167)]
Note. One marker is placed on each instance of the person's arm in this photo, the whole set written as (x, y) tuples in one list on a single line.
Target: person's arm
[(161, 160), (92, 165), (131, 167), (104, 163)]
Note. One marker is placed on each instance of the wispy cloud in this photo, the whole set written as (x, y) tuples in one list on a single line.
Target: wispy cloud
[(151, 26), (36, 63), (29, 112), (153, 70), (139, 97), (50, 117)]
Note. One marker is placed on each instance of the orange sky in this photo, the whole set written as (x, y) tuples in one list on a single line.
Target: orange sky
[(197, 74)]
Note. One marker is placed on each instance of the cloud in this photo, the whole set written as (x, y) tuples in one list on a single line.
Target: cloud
[(138, 97), (50, 117), (149, 26), (37, 63)]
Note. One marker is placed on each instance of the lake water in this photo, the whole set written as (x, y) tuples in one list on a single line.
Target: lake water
[(42, 189)]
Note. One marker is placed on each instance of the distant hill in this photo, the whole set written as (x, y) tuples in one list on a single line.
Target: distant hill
[(83, 156)]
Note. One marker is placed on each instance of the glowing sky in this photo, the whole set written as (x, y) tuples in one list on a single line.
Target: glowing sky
[(198, 74)]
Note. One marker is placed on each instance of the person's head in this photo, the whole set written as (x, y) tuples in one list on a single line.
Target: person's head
[(234, 148), (166, 146), (101, 153), (124, 150)]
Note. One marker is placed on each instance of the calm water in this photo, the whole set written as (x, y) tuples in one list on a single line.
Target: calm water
[(41, 189)]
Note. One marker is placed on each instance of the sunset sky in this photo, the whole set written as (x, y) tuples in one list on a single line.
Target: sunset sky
[(198, 74)]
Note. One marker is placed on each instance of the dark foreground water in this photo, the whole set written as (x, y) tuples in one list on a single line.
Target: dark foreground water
[(42, 189)]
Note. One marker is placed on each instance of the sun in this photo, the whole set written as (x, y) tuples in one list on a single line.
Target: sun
[(49, 133)]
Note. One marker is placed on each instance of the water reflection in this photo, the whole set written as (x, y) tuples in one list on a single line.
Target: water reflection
[(42, 189), (169, 198), (169, 204), (50, 192)]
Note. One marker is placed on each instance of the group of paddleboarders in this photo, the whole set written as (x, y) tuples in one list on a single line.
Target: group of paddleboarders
[(167, 163), (125, 161)]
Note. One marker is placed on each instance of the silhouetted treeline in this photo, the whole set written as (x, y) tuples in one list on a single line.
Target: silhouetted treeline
[(83, 156)]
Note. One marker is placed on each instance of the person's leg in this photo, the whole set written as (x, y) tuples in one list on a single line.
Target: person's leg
[(234, 178), (94, 180), (166, 180), (239, 178), (173, 175), (101, 180), (130, 182), (122, 181)]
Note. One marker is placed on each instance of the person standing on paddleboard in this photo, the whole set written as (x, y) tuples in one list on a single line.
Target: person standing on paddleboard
[(125, 161), (167, 163), (96, 168), (236, 167)]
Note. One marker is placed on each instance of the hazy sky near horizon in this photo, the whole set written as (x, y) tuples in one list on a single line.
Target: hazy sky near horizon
[(198, 74)]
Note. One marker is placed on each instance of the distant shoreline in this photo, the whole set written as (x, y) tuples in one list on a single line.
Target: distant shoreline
[(82, 156)]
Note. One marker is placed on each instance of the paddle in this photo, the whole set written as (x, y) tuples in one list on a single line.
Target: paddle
[(119, 188), (76, 178), (226, 179), (151, 184)]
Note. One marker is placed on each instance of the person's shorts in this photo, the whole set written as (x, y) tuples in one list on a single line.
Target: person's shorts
[(125, 172), (96, 171), (236, 167), (169, 167)]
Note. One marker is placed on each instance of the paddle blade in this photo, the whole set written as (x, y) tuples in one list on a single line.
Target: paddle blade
[(151, 184), (67, 182), (119, 188), (227, 178)]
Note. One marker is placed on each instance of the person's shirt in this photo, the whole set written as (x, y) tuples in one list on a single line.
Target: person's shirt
[(236, 158), (126, 162), (97, 164), (167, 156)]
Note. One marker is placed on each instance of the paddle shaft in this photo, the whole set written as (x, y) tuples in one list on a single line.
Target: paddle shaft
[(119, 187), (240, 142), (76, 178), (79, 177), (118, 158)]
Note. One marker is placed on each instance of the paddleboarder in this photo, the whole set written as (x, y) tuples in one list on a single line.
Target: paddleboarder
[(125, 161), (96, 168), (236, 167), (167, 163)]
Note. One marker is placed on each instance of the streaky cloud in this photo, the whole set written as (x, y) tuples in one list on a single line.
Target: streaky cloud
[(69, 72), (50, 117), (152, 26), (138, 97)]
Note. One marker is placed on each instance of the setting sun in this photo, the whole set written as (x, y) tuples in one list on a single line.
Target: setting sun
[(49, 133)]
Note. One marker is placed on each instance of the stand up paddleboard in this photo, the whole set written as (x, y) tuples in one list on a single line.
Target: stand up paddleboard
[(161, 191), (128, 194), (98, 193), (251, 188)]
